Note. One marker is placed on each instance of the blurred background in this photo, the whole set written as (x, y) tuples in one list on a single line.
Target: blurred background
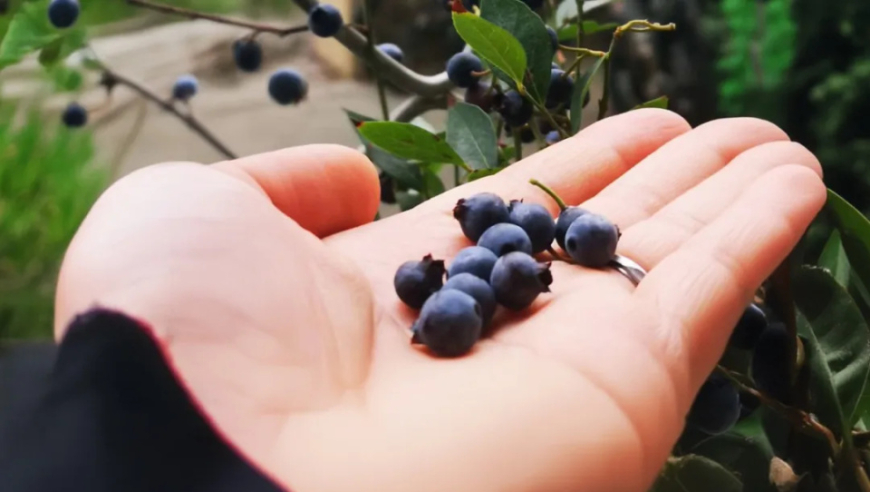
[(803, 64)]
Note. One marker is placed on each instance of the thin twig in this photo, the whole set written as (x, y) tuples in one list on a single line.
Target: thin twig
[(382, 93), (193, 14), (129, 139), (802, 420), (414, 106), (543, 110), (187, 119), (518, 145)]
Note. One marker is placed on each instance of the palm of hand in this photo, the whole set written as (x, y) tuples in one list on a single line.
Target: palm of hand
[(297, 347)]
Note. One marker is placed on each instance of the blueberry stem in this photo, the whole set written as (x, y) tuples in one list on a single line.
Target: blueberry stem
[(193, 14), (113, 78), (370, 38), (802, 421), (543, 110), (518, 145), (555, 196)]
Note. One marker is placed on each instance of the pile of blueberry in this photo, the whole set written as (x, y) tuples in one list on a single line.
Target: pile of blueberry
[(499, 270)]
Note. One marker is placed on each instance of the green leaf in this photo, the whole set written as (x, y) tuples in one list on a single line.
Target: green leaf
[(410, 142), (528, 28), (659, 102), (854, 234), (401, 170), (692, 473), (66, 79), (432, 185), (837, 348), (745, 450), (834, 259), (569, 33), (585, 82), (408, 199), (494, 44), (471, 134), (482, 173), (28, 31)]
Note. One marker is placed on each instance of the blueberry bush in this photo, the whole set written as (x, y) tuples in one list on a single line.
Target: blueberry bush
[(788, 407)]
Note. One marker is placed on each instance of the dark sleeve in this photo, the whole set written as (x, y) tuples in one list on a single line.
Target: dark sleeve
[(103, 412)]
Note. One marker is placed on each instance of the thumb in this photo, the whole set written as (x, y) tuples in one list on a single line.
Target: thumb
[(324, 188)]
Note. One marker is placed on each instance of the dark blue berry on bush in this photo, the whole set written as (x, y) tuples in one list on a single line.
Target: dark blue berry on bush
[(324, 20), (536, 221), (388, 189), (561, 87), (517, 280), (461, 68), (591, 240), (506, 238), (287, 86), (515, 109), (478, 213), (449, 324), (750, 326), (770, 362), (554, 40), (63, 13), (415, 281), (185, 88), (481, 96), (477, 288), (392, 51), (566, 218), (716, 407), (552, 138), (248, 55), (74, 116), (474, 260)]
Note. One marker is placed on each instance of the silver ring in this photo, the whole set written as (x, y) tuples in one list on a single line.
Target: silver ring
[(628, 268)]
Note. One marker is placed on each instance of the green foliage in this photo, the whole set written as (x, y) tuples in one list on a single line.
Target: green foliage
[(692, 473), (411, 142), (529, 29), (46, 188), (758, 54), (471, 133), (494, 45), (585, 83)]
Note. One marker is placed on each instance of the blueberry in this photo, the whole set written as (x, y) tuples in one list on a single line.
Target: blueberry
[(481, 96), (564, 222), (554, 66), (716, 407), (286, 86), (415, 281), (536, 221), (554, 40), (517, 280), (527, 135), (770, 362), (449, 324), (502, 239), (74, 116), (561, 87), (553, 137), (534, 4), (474, 260), (185, 88), (248, 55), (388, 189), (750, 326), (477, 288), (591, 240), (461, 68), (63, 13), (324, 20), (478, 213), (392, 51), (515, 109)]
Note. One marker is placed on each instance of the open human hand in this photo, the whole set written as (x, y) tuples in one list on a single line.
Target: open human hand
[(272, 291)]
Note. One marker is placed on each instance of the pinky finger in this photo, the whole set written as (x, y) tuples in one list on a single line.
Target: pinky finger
[(701, 289)]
